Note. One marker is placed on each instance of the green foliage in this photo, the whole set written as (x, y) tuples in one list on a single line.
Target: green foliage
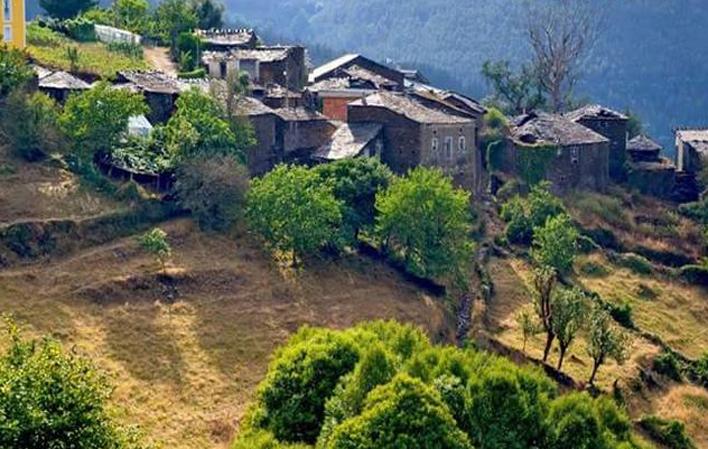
[(15, 70), (214, 190), (403, 413), (697, 211), (194, 74), (171, 18), (604, 341), (210, 14), (667, 364), (264, 440), (635, 126), (670, 433), (423, 218), (518, 229), (515, 92), (594, 269), (355, 182), (635, 263), (189, 47), (65, 9), (701, 369), (155, 243), (622, 313), (79, 29), (523, 215), (200, 129), (53, 399), (542, 204), (97, 119), (143, 154), (293, 211), (30, 122), (529, 325), (99, 16), (130, 14), (574, 423), (129, 49), (555, 243), (301, 377), (532, 161), (569, 313)]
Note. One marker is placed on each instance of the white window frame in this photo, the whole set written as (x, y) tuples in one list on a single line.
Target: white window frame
[(435, 145), (462, 144), (448, 147), (574, 155), (7, 11), (7, 33)]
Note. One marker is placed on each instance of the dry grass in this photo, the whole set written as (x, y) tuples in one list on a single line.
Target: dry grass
[(41, 191), (186, 372)]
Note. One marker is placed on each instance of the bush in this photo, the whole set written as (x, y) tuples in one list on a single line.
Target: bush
[(518, 229), (194, 74), (667, 364), (15, 70), (635, 263), (30, 122), (293, 211), (700, 369), (214, 190), (79, 29), (670, 433), (410, 224), (555, 244), (622, 314), (593, 269), (129, 49), (155, 243), (586, 245)]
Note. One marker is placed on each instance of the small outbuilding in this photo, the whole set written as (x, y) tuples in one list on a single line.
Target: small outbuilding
[(352, 140), (59, 85)]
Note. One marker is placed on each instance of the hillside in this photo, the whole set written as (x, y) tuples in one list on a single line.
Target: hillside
[(645, 60)]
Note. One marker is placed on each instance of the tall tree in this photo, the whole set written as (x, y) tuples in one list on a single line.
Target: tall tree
[(130, 14), (604, 341), (544, 283), (516, 93), (568, 315), (173, 17), (561, 34), (64, 9), (210, 14)]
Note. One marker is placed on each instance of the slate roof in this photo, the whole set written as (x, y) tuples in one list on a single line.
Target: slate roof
[(331, 66), (154, 82), (262, 54), (63, 80), (538, 127), (594, 112), (330, 84), (359, 73), (227, 37), (406, 106), (348, 141), (452, 98), (642, 143), (250, 107), (299, 115), (697, 138), (661, 164), (40, 71)]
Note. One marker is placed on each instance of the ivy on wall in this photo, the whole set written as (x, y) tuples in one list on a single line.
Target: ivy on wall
[(532, 161)]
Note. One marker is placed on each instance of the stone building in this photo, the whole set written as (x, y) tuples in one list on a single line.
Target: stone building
[(228, 39), (159, 89), (610, 124), (358, 66), (352, 140), (647, 171), (691, 149), (300, 132), (414, 135), (59, 85), (282, 65), (332, 96), (267, 152), (569, 155), (276, 96)]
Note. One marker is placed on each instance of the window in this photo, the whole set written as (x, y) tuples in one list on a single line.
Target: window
[(7, 33), (574, 155), (435, 145), (7, 11), (462, 144), (448, 147)]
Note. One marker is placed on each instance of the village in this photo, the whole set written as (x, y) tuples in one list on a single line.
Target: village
[(239, 238), (355, 107)]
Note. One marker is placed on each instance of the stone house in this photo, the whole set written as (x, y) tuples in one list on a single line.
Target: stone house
[(282, 65), (228, 39), (353, 65), (276, 96), (300, 132), (414, 135), (159, 89), (610, 124), (332, 96), (352, 140), (551, 147), (267, 152), (59, 85), (647, 171), (691, 150)]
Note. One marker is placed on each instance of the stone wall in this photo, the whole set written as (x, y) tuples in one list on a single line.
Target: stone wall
[(335, 108), (265, 155), (653, 179), (462, 161), (616, 131)]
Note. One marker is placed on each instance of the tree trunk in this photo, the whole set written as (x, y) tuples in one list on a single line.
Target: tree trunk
[(523, 348), (549, 342), (561, 356), (595, 366)]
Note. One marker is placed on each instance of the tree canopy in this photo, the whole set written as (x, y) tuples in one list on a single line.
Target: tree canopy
[(65, 9)]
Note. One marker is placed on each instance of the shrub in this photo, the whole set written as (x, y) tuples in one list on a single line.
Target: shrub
[(593, 269), (15, 70), (30, 121), (293, 211), (518, 229), (670, 433), (79, 29), (542, 204), (424, 219), (155, 243), (555, 244), (695, 274), (129, 49), (586, 245), (622, 314), (700, 369), (64, 9), (667, 364), (635, 263), (574, 423)]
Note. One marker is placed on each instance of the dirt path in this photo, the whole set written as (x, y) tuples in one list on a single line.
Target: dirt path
[(159, 59)]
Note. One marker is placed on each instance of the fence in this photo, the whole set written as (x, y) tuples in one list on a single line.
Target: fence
[(110, 35)]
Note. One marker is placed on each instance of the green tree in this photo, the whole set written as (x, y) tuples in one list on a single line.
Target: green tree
[(634, 124), (213, 189), (402, 414), (97, 119), (544, 283), (518, 225), (155, 243), (173, 17), (200, 129), (130, 14), (30, 122), (210, 14), (604, 340), (53, 399), (300, 379), (293, 211), (529, 325), (573, 423), (65, 9), (15, 70), (555, 243), (426, 220), (542, 204), (355, 183), (517, 93), (569, 313)]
